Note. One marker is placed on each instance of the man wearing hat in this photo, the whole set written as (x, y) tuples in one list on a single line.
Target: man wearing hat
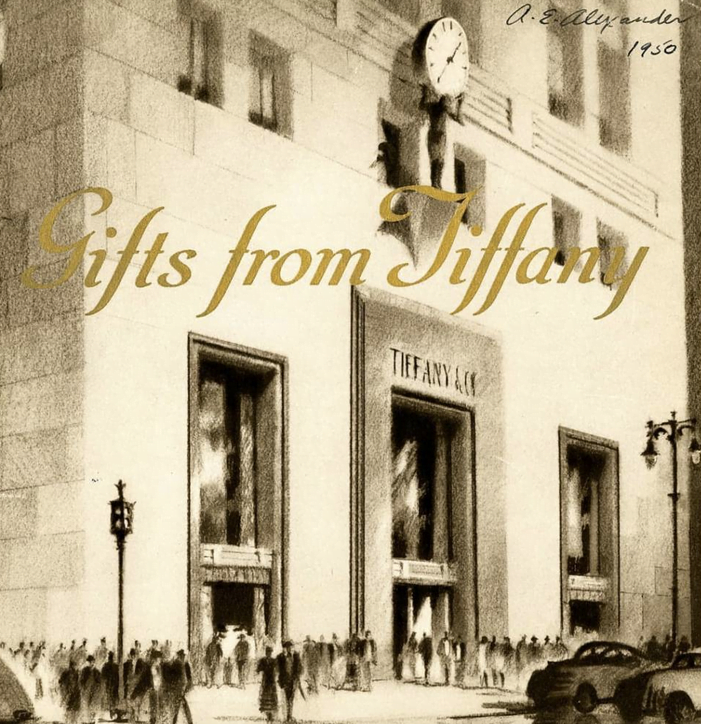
[(90, 689), (101, 654), (242, 653), (289, 673), (176, 682), (212, 658), (534, 651)]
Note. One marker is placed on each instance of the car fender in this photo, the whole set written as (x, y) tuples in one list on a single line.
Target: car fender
[(663, 684)]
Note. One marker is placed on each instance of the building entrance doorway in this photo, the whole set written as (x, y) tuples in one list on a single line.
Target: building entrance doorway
[(234, 608), (232, 605), (424, 611), (585, 617)]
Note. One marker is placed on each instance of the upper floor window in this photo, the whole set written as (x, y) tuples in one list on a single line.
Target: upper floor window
[(226, 454), (423, 438), (589, 535), (614, 93), (201, 80), (583, 482), (389, 155), (566, 223), (565, 73), (470, 174), (612, 250), (409, 10), (270, 88), (468, 13)]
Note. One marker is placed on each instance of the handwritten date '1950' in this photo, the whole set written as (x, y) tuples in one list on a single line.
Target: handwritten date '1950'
[(602, 21)]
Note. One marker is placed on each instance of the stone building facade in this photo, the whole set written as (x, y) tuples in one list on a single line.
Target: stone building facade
[(267, 444)]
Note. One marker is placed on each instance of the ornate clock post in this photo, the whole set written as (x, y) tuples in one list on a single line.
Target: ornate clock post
[(442, 64)]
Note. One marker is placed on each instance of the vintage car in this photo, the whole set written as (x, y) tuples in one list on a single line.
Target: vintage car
[(15, 703), (588, 678), (674, 691)]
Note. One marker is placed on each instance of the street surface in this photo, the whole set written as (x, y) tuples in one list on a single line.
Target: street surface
[(394, 702)]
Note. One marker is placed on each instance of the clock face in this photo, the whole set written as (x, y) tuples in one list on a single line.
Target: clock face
[(446, 57)]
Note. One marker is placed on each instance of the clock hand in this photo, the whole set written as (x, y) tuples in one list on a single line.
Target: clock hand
[(454, 52), (449, 61)]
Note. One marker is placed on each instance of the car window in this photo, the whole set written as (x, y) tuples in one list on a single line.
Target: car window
[(616, 655), (591, 654)]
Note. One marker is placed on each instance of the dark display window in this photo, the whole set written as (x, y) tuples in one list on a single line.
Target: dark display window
[(421, 485), (227, 456)]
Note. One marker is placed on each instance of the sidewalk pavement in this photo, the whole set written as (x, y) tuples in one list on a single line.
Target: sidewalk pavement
[(389, 700)]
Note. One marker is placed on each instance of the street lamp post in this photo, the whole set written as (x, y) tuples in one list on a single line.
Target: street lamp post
[(672, 430), (121, 525)]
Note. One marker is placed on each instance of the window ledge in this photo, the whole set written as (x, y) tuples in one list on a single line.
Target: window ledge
[(427, 572), (238, 556), (589, 587)]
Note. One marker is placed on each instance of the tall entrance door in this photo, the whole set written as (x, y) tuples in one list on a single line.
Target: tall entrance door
[(421, 610)]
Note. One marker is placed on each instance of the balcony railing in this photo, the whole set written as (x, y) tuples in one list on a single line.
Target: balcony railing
[(425, 572)]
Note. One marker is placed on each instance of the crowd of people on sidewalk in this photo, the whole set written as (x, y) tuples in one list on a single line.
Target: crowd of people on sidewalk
[(488, 663), (154, 682), (87, 682), (663, 651), (319, 664)]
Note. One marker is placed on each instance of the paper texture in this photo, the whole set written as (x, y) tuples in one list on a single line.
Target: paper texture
[(367, 304)]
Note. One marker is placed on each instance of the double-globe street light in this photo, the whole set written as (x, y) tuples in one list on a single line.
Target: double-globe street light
[(672, 430)]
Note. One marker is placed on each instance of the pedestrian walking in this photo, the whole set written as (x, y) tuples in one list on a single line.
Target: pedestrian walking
[(653, 649), (212, 659), (176, 678), (131, 673), (337, 660), (412, 648), (507, 660), (426, 653), (561, 652), (310, 664), (548, 649), (268, 670), (483, 661), (242, 653), (534, 653), (38, 670), (459, 657), (368, 651), (69, 688), (324, 656), (90, 690), (148, 685), (289, 672), (109, 675), (80, 655), (445, 656), (669, 648), (101, 654), (228, 671), (353, 662)]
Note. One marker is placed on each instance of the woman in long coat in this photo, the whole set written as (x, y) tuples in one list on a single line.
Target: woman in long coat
[(267, 668)]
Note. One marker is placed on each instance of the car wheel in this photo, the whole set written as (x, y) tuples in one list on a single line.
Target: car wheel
[(585, 700), (678, 708)]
